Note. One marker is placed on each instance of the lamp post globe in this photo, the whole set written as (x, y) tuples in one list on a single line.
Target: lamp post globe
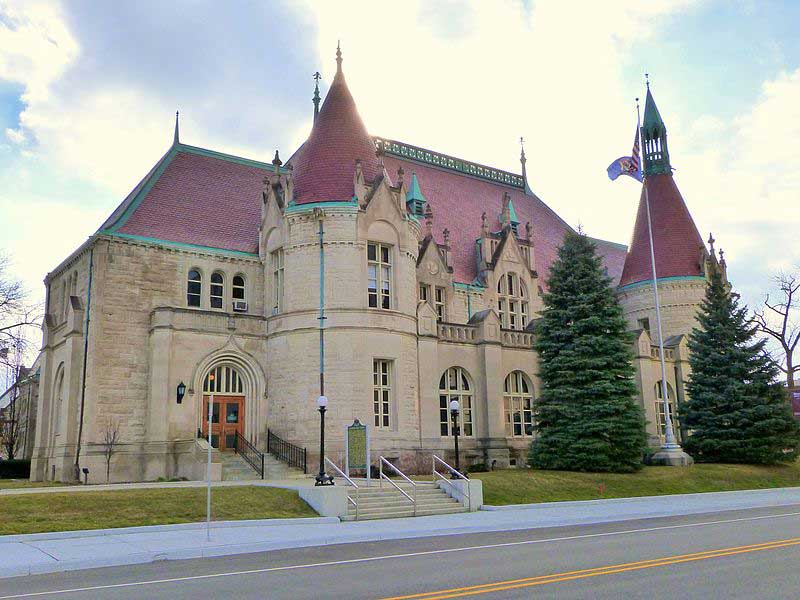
[(454, 410), (322, 477)]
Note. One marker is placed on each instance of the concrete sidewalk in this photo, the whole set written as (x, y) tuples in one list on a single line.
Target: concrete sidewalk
[(111, 487), (50, 552)]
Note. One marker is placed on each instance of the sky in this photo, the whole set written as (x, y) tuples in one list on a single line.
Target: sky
[(89, 90)]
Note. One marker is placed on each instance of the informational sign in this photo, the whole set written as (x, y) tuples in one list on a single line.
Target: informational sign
[(357, 448), (794, 396)]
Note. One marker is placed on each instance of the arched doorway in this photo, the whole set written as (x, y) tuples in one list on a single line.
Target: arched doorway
[(224, 387)]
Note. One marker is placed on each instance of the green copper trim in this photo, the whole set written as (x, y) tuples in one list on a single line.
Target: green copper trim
[(151, 181), (159, 242), (298, 208), (638, 284), (469, 287), (512, 213), (654, 140), (616, 245), (451, 163), (227, 157), (414, 193)]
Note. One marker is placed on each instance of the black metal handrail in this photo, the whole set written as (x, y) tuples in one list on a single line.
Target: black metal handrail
[(294, 456), (250, 454)]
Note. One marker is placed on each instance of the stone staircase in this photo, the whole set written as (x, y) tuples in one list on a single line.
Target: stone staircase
[(387, 503), (235, 468)]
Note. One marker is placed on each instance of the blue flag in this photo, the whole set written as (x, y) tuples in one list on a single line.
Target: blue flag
[(627, 165), (624, 166)]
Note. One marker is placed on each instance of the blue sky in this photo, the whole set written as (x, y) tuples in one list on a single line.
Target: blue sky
[(88, 93)]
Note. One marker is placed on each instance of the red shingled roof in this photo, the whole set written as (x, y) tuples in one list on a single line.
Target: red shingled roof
[(676, 241), (325, 165), (200, 198), (458, 200)]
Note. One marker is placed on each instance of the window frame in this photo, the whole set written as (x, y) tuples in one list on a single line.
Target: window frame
[(466, 401), (236, 287), (518, 409), (382, 269), (216, 291), (189, 292), (513, 302), (382, 396), (278, 279), (661, 416), (440, 304)]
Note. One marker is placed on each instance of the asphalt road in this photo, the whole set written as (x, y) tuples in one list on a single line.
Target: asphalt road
[(737, 554)]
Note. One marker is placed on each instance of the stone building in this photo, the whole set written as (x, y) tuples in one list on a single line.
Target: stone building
[(209, 275), (18, 406)]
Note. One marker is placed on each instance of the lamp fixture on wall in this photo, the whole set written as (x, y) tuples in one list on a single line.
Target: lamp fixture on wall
[(181, 392)]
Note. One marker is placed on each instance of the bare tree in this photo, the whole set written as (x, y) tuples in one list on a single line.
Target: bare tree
[(109, 442), (779, 320), (18, 318), (12, 421)]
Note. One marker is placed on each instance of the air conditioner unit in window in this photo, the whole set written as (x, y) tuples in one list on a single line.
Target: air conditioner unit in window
[(239, 306)]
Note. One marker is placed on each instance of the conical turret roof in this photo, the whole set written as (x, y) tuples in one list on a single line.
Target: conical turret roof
[(676, 241), (325, 165)]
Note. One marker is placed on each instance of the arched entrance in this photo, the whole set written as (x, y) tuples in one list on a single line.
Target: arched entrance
[(224, 388)]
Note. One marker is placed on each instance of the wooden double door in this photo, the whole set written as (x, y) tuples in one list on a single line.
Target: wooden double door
[(226, 421)]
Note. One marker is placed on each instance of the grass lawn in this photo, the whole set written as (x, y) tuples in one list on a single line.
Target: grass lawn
[(34, 513), (523, 486), (7, 484)]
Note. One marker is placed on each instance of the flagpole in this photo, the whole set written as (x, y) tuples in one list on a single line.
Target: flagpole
[(669, 435)]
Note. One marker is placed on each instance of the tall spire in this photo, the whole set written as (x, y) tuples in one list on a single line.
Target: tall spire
[(338, 57), (523, 161), (316, 95), (177, 138), (654, 139)]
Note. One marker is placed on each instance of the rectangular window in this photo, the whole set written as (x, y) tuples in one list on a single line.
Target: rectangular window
[(217, 290), (381, 391), (424, 292), (464, 415), (439, 304), (645, 324), (277, 281), (661, 417), (518, 413), (379, 275)]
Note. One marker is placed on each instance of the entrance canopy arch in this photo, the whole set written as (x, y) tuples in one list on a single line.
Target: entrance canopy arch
[(237, 383)]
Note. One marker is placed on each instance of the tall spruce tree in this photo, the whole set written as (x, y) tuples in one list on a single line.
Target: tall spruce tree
[(736, 413), (586, 417)]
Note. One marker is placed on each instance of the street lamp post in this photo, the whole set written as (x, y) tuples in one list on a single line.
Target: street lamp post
[(454, 407), (322, 477)]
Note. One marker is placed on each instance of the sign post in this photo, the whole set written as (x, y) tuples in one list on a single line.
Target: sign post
[(356, 450), (794, 398)]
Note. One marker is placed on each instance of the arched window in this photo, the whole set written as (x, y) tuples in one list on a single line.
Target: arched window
[(194, 288), (58, 401), (518, 405), (64, 299), (455, 385), (237, 288), (660, 414), (217, 290), (223, 380), (512, 302)]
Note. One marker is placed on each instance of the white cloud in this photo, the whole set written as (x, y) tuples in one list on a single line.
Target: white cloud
[(17, 136)]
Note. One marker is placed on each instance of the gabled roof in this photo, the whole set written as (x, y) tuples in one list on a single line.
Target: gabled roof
[(195, 197), (676, 241), (325, 165)]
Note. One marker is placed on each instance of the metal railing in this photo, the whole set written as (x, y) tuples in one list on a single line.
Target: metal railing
[(383, 476), (251, 455), (350, 482), (294, 456), (454, 475)]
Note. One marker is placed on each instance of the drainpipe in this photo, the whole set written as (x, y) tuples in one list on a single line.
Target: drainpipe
[(320, 215), (85, 361)]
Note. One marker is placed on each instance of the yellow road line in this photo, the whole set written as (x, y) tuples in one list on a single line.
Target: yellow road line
[(499, 586)]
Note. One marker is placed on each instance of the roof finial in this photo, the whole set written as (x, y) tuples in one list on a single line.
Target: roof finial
[(316, 98), (522, 152), (524, 160), (177, 138), (277, 162), (647, 80), (338, 57), (711, 241)]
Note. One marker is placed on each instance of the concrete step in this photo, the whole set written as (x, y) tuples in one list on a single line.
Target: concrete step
[(397, 514)]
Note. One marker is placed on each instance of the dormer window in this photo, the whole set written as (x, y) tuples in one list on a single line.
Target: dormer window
[(512, 302)]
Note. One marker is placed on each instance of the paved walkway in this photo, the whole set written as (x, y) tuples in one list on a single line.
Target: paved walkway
[(49, 552)]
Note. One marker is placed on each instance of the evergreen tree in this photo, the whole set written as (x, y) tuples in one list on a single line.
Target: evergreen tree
[(735, 412), (586, 417)]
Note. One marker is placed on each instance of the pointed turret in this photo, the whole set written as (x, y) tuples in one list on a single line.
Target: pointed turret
[(176, 139), (415, 201), (324, 166), (676, 241), (654, 139)]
